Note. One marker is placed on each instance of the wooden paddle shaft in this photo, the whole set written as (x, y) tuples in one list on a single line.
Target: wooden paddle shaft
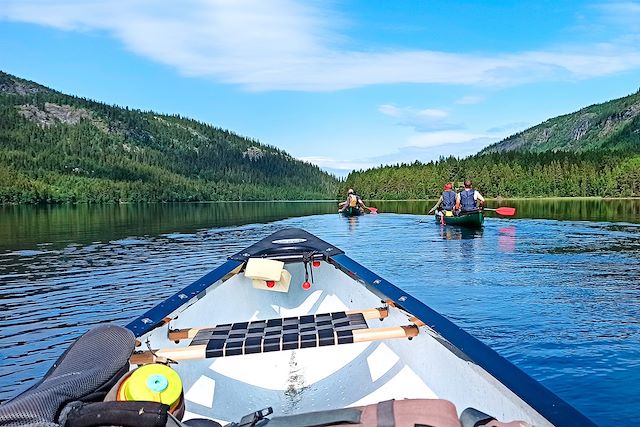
[(369, 313)]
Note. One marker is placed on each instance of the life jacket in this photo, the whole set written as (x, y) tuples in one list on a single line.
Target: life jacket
[(467, 202), (448, 200), (353, 200)]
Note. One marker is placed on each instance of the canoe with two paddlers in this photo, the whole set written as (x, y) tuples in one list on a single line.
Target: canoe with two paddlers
[(465, 219), (351, 211)]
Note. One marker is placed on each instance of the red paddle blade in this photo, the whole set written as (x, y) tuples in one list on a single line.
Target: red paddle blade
[(373, 210), (506, 211)]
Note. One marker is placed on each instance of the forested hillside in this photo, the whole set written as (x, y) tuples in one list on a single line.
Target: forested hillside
[(613, 125), (593, 152), (60, 148), (595, 173)]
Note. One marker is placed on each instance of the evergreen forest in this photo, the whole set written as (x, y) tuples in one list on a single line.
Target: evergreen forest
[(593, 152), (57, 148), (512, 174)]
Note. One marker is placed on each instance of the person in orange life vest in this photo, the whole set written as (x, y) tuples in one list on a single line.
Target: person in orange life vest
[(447, 200), (353, 201), (469, 200)]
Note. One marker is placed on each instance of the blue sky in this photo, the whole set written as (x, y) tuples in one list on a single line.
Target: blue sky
[(343, 84)]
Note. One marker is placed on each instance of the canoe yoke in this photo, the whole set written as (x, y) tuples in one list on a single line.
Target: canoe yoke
[(290, 333)]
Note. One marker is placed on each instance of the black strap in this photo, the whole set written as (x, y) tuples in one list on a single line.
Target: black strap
[(471, 417), (254, 418), (126, 414), (385, 414)]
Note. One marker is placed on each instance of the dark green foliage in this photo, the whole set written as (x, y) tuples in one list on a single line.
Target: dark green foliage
[(560, 174), (593, 152), (76, 150), (613, 125)]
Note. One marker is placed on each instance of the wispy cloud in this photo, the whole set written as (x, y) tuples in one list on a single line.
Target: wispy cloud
[(337, 164), (469, 100), (460, 148), (423, 147), (433, 139), (509, 127), (290, 45), (626, 13), (421, 120)]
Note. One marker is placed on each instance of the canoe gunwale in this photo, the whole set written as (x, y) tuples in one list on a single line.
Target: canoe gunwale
[(156, 316), (463, 345), (543, 400)]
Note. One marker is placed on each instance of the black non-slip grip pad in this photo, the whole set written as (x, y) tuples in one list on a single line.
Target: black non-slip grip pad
[(290, 333)]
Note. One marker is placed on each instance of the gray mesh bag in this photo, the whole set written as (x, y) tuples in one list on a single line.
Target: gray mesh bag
[(84, 373)]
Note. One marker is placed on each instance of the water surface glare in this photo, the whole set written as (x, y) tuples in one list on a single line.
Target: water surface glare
[(560, 299)]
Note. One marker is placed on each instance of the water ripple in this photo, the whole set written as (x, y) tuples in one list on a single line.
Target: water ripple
[(559, 299)]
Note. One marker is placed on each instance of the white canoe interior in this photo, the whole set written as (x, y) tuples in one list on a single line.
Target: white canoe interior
[(385, 365)]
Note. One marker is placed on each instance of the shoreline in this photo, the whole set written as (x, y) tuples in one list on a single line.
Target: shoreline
[(494, 199), (514, 198)]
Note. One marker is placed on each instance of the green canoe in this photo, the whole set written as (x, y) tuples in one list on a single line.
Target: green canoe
[(349, 211), (473, 219)]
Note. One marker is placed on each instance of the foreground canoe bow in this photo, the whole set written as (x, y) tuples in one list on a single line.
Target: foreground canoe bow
[(250, 335)]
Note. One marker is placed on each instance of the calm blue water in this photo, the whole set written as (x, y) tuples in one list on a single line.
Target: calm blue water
[(560, 299)]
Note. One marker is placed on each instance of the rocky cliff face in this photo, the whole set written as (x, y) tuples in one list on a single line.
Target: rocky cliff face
[(13, 86), (611, 125), (53, 114)]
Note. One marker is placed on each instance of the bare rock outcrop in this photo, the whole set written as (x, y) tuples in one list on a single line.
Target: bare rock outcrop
[(253, 153), (54, 114), (15, 87)]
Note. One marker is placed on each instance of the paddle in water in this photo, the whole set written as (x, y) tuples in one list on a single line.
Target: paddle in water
[(504, 211), (373, 210)]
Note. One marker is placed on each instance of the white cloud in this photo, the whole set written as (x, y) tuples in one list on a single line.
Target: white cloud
[(439, 144), (626, 13), (291, 45), (421, 120), (509, 128), (409, 154), (469, 100), (432, 139), (337, 164)]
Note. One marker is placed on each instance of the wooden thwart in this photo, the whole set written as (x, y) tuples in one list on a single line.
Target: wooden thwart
[(199, 352), (370, 313)]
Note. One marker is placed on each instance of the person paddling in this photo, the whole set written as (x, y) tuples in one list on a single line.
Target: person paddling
[(353, 201), (469, 200), (447, 200)]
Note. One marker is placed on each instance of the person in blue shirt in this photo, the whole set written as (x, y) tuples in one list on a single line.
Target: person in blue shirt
[(447, 201), (469, 200)]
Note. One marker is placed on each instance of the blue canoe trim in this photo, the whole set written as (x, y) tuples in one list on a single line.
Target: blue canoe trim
[(156, 315), (550, 406)]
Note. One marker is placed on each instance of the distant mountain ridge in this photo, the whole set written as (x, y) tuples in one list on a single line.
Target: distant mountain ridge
[(61, 148), (612, 125), (594, 152)]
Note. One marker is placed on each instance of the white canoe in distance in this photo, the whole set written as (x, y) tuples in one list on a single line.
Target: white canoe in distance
[(352, 339)]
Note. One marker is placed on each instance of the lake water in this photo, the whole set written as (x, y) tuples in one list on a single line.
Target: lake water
[(555, 290)]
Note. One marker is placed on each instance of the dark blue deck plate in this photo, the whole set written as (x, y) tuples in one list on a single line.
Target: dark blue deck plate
[(154, 317), (290, 241), (548, 404)]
